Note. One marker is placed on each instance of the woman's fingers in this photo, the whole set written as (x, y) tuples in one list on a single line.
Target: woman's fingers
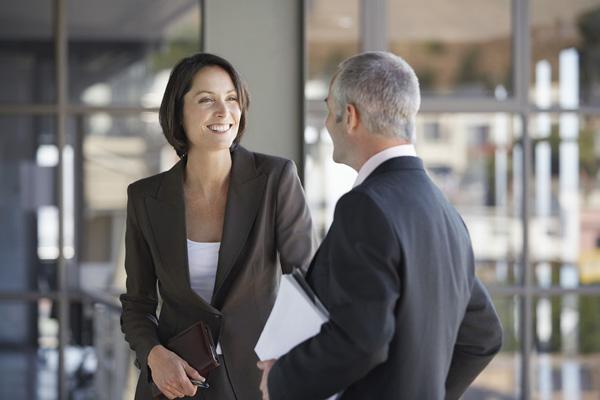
[(173, 388), (192, 373), (183, 384), (171, 393), (172, 372)]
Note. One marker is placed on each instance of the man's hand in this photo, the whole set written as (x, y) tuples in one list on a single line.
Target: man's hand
[(265, 367), (171, 373)]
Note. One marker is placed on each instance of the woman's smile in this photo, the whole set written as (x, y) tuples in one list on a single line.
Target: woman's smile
[(219, 128)]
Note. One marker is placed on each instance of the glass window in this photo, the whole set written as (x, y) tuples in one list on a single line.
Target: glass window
[(567, 358), (28, 355), (463, 49), (565, 52), (475, 160), (121, 52), (29, 229), (565, 224), (27, 64), (499, 380), (113, 374), (324, 180), (332, 34), (117, 150)]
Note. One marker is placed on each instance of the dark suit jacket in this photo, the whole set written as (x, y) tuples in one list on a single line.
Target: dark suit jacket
[(267, 228), (408, 318)]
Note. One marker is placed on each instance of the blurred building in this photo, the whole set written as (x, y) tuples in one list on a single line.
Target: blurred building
[(509, 129)]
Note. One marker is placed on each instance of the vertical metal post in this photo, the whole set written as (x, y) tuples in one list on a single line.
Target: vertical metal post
[(526, 306), (522, 66), (302, 77), (202, 39), (60, 41), (373, 25)]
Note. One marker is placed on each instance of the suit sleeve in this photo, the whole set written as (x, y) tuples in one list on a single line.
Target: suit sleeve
[(363, 255), (295, 236), (138, 317), (479, 339)]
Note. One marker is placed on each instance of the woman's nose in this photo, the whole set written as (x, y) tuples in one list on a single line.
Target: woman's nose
[(220, 108)]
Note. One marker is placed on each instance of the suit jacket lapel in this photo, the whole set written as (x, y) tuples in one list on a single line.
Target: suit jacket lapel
[(167, 218), (246, 190)]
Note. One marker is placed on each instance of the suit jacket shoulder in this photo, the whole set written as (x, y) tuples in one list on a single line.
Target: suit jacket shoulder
[(269, 164), (146, 186)]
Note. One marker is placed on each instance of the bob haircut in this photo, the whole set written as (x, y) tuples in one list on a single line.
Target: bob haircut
[(180, 81)]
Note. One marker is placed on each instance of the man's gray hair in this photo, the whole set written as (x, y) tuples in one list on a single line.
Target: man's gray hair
[(384, 89)]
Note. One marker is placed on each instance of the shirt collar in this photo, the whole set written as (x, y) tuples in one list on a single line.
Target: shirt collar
[(376, 160)]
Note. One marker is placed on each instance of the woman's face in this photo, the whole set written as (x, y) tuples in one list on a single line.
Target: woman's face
[(211, 110)]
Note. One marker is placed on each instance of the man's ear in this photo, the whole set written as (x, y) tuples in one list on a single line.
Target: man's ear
[(352, 117)]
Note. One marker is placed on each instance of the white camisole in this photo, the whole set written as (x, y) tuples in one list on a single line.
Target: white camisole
[(202, 259)]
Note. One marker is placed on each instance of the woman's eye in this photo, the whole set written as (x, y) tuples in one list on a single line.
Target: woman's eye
[(205, 100), (232, 98)]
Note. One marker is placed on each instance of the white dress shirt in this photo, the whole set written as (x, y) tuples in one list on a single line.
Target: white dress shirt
[(376, 160)]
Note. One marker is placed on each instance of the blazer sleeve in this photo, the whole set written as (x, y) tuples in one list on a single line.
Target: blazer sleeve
[(295, 238), (479, 339), (362, 254), (138, 317)]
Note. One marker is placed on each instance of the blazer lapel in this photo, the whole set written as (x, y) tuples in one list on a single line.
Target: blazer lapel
[(167, 218), (246, 190)]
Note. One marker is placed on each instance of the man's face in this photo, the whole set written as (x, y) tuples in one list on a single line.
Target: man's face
[(336, 130)]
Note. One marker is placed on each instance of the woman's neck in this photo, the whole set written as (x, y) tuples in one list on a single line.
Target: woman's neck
[(207, 172)]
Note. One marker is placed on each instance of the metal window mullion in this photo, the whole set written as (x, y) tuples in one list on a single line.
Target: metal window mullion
[(521, 68), (373, 25), (202, 30), (475, 105), (301, 79), (526, 311), (472, 106), (60, 41), (28, 295), (539, 291), (521, 51), (27, 109)]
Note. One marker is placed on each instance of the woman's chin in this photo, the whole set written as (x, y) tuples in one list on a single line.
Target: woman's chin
[(215, 145)]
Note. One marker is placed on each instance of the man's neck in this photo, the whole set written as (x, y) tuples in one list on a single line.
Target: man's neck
[(370, 146)]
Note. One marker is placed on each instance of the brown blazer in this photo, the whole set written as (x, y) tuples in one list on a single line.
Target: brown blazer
[(267, 230)]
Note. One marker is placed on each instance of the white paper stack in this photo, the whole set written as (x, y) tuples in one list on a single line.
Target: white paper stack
[(296, 316)]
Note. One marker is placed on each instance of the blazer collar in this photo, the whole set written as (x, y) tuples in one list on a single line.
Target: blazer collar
[(167, 216), (397, 164)]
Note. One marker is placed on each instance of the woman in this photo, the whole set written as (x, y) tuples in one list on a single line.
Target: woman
[(210, 236)]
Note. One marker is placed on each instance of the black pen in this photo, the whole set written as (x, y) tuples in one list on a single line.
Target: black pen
[(202, 385)]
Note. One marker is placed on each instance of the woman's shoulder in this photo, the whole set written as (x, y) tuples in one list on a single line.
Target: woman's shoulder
[(146, 186)]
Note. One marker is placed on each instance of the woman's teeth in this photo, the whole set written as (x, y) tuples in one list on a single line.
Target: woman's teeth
[(220, 128)]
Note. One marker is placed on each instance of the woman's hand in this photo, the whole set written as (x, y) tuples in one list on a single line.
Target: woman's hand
[(171, 373)]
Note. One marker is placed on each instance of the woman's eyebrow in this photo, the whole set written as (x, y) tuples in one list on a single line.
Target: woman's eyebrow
[(196, 93)]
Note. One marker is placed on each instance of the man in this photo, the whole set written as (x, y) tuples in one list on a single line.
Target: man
[(408, 317)]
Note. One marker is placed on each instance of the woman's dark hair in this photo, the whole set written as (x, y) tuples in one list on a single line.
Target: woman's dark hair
[(180, 82)]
